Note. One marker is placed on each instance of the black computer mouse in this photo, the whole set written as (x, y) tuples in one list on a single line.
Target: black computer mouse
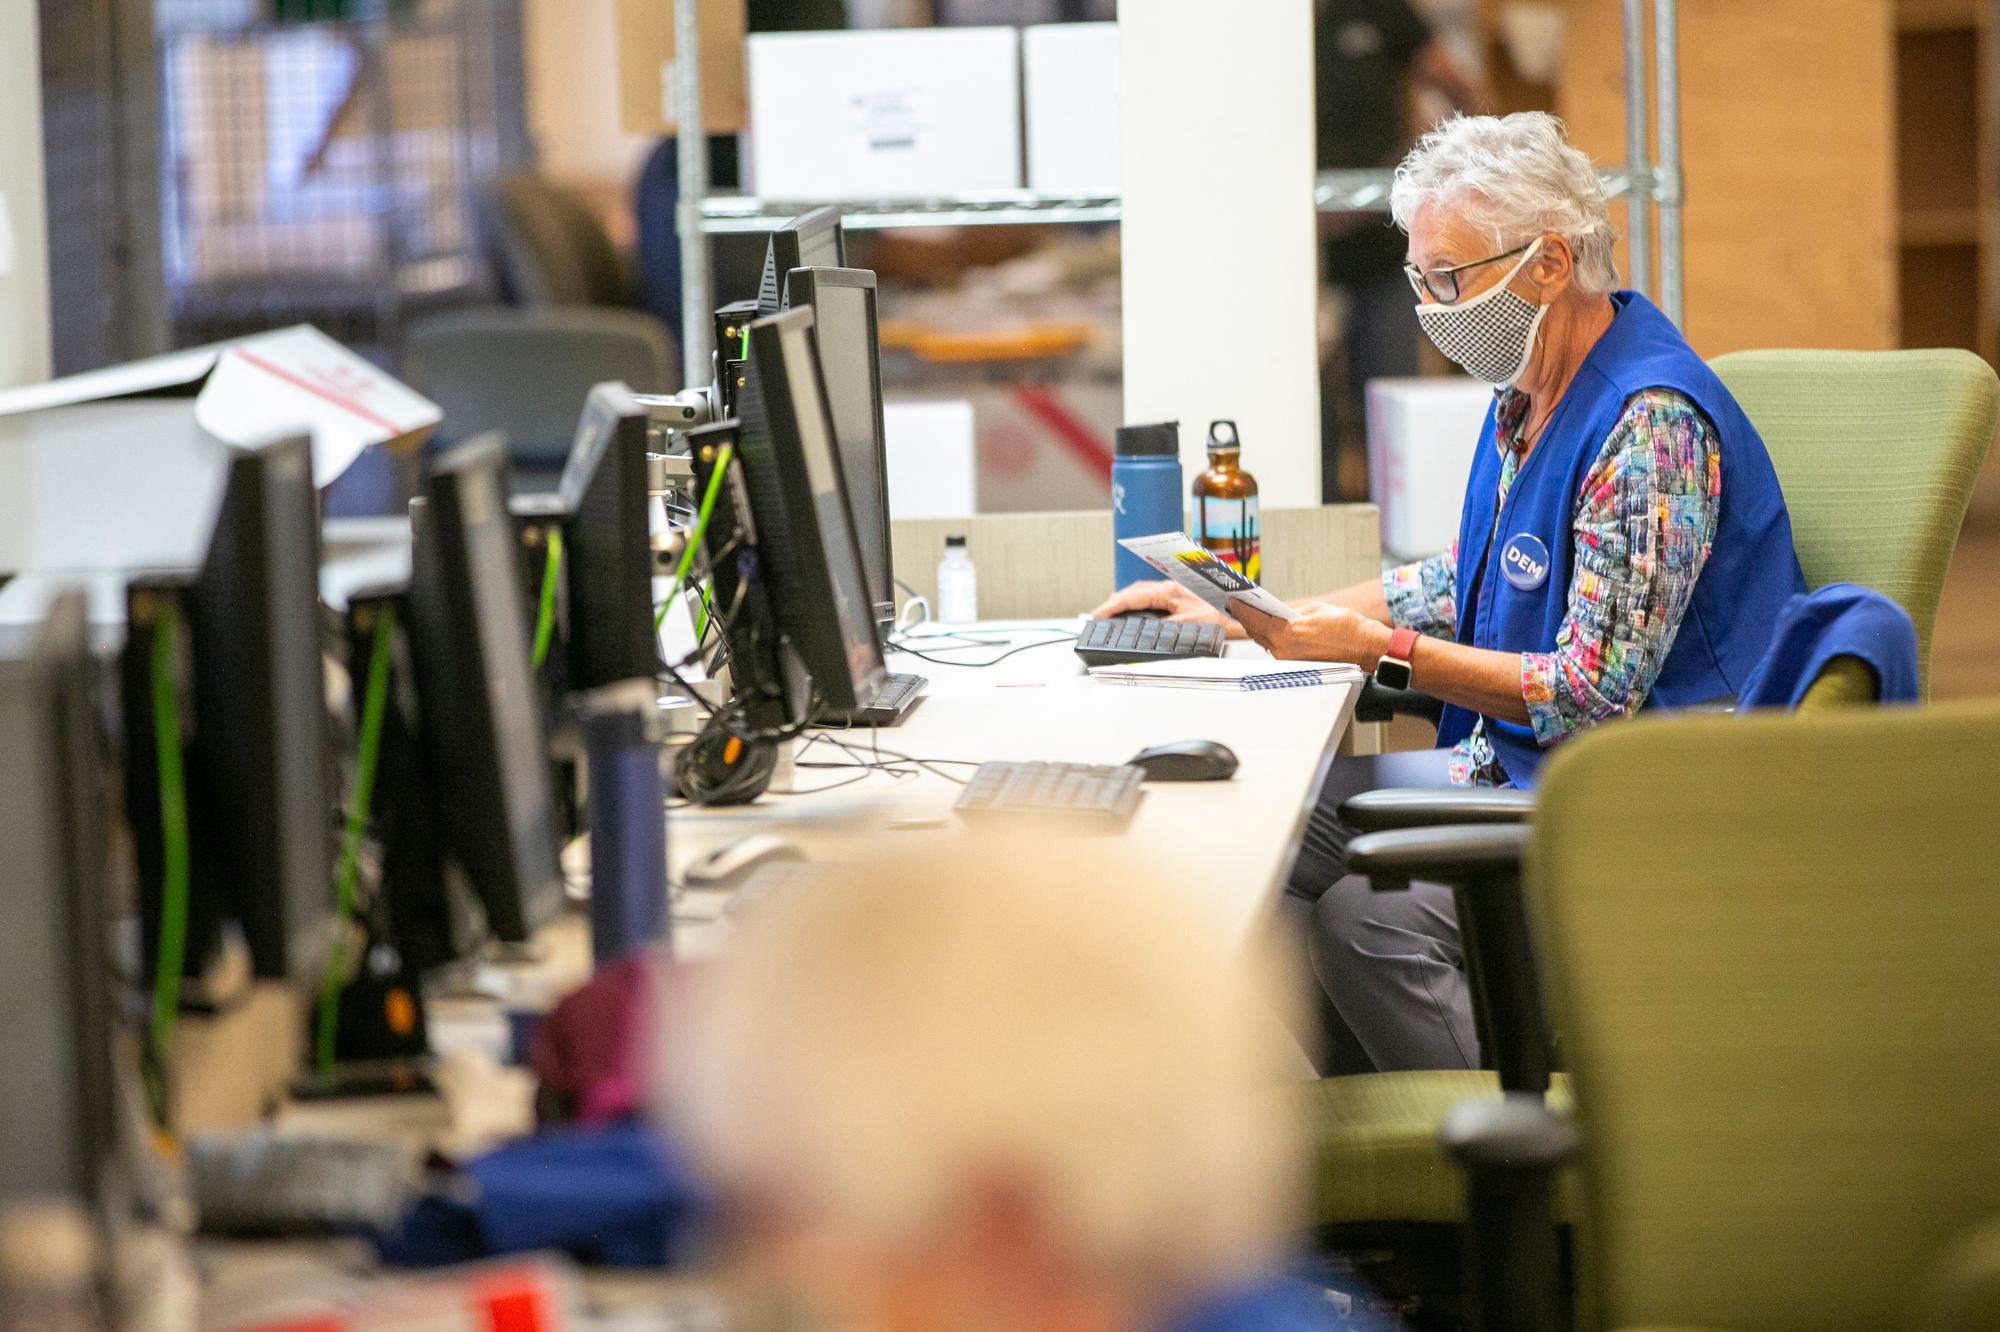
[(1186, 761)]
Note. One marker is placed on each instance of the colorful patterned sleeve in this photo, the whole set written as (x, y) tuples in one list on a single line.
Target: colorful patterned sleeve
[(1424, 596), (1644, 525)]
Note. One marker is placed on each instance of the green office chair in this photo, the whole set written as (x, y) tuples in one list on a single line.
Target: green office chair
[(1781, 1023), (1877, 453), (1376, 1157)]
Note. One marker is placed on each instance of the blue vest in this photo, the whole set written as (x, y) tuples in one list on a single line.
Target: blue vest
[(1514, 576)]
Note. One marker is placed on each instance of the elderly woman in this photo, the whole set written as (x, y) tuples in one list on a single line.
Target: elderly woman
[(921, 1112), (1623, 542)]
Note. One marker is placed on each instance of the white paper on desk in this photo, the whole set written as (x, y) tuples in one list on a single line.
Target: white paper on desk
[(1225, 672), (1184, 561)]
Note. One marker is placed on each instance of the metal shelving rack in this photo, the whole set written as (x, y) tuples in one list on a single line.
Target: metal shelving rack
[(1333, 192), (1651, 184)]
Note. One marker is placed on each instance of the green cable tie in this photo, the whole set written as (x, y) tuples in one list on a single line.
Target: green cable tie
[(701, 518), (701, 618), (375, 703), (545, 612), (172, 954)]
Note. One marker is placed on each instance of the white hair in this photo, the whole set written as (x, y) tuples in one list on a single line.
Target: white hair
[(1517, 176), (874, 1048)]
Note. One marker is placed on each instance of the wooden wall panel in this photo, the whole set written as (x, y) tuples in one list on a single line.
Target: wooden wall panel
[(1042, 565), (1788, 133)]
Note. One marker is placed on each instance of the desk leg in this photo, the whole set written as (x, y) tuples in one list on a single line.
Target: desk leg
[(1361, 738)]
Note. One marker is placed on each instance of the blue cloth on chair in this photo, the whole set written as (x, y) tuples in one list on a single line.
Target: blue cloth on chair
[(614, 1196), (1275, 1304), (1838, 620)]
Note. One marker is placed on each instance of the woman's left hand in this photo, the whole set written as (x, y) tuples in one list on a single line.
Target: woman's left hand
[(1320, 633)]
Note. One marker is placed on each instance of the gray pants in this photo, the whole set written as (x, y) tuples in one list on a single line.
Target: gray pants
[(1394, 972), (1390, 964)]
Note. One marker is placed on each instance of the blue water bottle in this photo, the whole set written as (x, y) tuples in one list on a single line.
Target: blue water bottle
[(628, 838), (1145, 493)]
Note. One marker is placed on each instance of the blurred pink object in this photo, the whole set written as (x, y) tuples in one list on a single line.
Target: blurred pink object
[(593, 1048)]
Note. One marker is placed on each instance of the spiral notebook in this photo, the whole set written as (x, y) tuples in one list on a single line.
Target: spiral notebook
[(1234, 673)]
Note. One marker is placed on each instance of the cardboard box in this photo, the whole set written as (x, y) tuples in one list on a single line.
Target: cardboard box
[(1421, 437), (646, 96), (1070, 79), (255, 389), (933, 459), (890, 114)]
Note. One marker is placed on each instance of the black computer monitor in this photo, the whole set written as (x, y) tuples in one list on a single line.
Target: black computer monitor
[(850, 358), (483, 729), (428, 909), (811, 240), (770, 683), (805, 533), (607, 545), (260, 781), (59, 1100)]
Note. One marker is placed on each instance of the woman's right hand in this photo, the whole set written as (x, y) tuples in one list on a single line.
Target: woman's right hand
[(1179, 604)]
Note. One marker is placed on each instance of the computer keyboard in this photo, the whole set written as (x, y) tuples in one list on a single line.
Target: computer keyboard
[(1095, 795), (770, 881), (887, 706), (1129, 638), (263, 1183)]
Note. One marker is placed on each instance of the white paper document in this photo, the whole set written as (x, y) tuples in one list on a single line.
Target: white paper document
[(1234, 673), (1178, 556)]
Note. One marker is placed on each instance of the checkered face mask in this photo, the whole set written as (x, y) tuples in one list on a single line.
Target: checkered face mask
[(1491, 335)]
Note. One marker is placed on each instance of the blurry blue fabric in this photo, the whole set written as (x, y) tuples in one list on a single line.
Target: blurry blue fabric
[(614, 1196), (1838, 620), (1279, 1304)]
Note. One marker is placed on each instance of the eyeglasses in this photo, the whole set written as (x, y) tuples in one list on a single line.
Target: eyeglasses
[(1442, 283)]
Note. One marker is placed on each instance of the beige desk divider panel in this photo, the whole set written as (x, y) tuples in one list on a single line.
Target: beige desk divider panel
[(1054, 565), (230, 1069)]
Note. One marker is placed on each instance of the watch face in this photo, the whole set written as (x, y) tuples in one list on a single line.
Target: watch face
[(1392, 674)]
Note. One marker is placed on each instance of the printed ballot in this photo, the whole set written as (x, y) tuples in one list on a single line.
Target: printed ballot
[(1181, 559)]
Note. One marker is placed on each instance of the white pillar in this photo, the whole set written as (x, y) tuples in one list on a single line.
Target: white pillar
[(24, 251), (1219, 232)]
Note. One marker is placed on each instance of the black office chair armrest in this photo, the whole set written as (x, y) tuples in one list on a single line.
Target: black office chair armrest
[(1511, 1150), (1428, 806), (1456, 854), (1481, 864), (1379, 703)]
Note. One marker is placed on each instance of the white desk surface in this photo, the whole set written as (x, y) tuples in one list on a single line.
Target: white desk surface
[(1235, 837)]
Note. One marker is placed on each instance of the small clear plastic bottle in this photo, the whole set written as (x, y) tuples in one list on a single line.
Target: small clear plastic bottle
[(957, 584)]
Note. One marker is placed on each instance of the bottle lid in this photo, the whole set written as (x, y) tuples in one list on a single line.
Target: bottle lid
[(1161, 439), (954, 543), (1222, 435)]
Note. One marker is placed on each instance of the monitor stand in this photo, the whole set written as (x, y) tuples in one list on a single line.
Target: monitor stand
[(897, 697)]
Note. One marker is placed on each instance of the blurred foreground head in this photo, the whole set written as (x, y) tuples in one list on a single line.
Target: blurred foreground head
[(1008, 1090)]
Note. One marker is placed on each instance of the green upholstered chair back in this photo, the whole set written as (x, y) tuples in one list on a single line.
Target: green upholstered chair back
[(1877, 453), (1844, 682), (1780, 1000)]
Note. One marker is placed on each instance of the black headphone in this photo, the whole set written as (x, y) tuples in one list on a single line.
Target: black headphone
[(723, 767)]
